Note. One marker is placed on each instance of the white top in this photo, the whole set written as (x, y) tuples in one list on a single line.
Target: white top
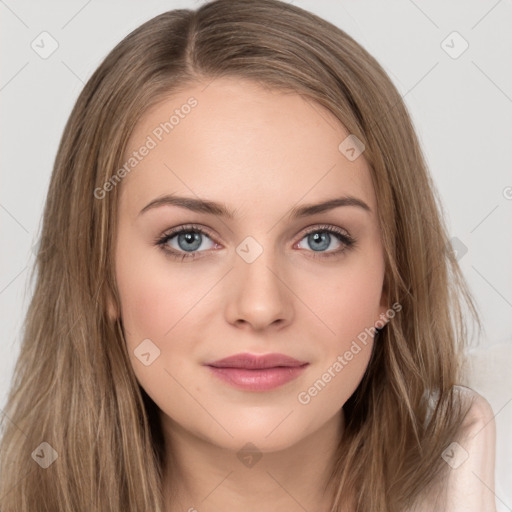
[(470, 486)]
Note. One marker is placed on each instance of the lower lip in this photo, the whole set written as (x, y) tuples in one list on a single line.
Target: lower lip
[(258, 380)]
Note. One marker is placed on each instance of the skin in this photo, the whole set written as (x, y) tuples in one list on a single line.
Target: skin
[(261, 153)]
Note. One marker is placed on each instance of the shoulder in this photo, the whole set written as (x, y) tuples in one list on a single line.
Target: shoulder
[(471, 457), (468, 484), (480, 413)]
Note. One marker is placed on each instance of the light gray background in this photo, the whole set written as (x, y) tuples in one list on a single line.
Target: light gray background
[(461, 108)]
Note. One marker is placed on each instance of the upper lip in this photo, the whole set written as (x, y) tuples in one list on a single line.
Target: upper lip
[(256, 362)]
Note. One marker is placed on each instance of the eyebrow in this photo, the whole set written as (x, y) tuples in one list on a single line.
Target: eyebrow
[(219, 209)]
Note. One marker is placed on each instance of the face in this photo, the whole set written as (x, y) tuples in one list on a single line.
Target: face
[(259, 279)]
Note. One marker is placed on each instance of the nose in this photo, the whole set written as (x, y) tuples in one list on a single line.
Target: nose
[(259, 295)]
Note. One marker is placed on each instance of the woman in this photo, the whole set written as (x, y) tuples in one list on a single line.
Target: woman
[(245, 290)]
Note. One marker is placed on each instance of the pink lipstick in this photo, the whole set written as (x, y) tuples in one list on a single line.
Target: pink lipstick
[(257, 372)]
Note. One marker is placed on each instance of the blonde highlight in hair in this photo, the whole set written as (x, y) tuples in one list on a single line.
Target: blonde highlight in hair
[(73, 385)]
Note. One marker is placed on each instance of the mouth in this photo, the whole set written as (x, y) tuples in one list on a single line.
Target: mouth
[(257, 373)]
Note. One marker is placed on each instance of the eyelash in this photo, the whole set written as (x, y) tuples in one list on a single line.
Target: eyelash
[(344, 238)]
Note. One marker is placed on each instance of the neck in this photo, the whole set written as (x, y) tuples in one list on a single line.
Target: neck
[(201, 476)]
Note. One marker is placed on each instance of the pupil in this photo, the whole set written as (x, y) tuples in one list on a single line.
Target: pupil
[(190, 240), (321, 240)]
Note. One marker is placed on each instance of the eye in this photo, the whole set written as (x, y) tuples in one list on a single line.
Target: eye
[(188, 240), (320, 238)]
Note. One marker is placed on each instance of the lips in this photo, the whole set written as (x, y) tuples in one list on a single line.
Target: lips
[(257, 362), (257, 373)]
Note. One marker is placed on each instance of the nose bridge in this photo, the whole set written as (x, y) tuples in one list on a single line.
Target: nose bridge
[(256, 266), (259, 294)]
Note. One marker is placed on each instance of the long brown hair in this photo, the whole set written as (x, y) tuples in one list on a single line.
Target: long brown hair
[(73, 385)]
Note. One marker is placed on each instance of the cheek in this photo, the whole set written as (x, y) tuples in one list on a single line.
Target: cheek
[(349, 300), (147, 306), (154, 304), (153, 310), (348, 306), (154, 296)]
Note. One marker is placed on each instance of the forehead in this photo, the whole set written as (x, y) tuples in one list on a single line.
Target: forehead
[(234, 141)]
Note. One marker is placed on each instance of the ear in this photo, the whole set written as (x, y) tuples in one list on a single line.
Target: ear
[(112, 309)]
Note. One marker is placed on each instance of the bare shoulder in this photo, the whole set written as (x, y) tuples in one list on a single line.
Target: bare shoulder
[(480, 414), (471, 457), (468, 484)]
